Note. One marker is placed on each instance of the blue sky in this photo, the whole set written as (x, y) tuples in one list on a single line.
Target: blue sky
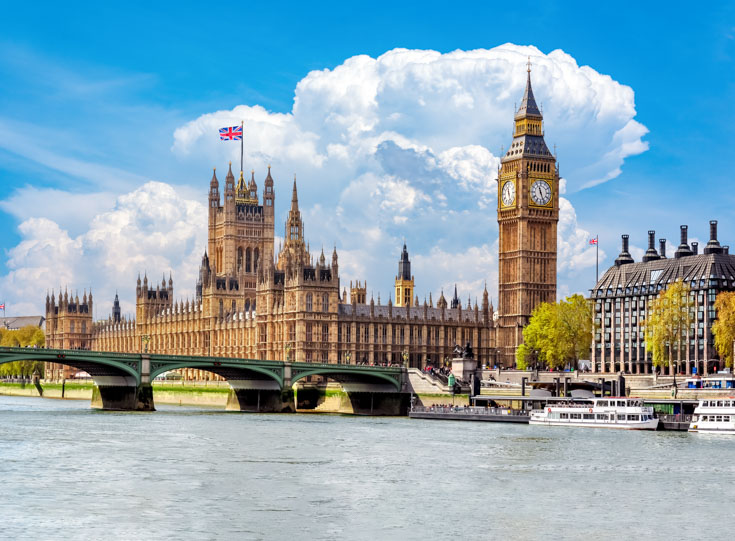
[(91, 97)]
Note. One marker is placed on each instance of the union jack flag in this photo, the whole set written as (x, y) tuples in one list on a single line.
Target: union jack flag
[(2, 306), (233, 133), (593, 241)]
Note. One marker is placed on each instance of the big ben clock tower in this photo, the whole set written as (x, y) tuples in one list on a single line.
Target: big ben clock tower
[(528, 211)]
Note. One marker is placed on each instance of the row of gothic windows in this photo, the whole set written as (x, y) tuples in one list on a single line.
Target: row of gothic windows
[(249, 261), (310, 302)]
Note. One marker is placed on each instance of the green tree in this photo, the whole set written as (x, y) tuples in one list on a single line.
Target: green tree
[(669, 318), (724, 327), (558, 334), (26, 336)]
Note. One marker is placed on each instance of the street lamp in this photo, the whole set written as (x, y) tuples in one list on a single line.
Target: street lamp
[(146, 340)]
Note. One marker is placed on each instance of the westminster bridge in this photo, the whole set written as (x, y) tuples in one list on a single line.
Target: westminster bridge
[(123, 380)]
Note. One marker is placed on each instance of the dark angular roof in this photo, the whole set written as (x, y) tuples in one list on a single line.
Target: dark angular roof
[(528, 104), (652, 276), (528, 146), (15, 323)]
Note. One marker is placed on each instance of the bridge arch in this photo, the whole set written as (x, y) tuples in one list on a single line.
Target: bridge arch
[(231, 370), (104, 368), (351, 374)]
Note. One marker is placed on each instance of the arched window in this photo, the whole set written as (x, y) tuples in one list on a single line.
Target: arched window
[(248, 261), (308, 302), (325, 303), (256, 256), (247, 305), (239, 260)]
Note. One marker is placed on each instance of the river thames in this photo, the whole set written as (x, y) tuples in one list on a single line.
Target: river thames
[(71, 472)]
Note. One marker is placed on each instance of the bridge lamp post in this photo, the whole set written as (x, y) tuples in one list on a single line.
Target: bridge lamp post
[(288, 352), (405, 358), (145, 339)]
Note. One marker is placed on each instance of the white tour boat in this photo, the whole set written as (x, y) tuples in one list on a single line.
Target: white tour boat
[(608, 412), (714, 415)]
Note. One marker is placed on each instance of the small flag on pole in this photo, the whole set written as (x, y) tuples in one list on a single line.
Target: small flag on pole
[(2, 306), (593, 242), (233, 133)]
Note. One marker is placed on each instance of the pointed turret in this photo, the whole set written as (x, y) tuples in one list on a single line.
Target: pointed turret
[(455, 299), (116, 309), (213, 192), (528, 103), (241, 192), (269, 193), (294, 197), (230, 191)]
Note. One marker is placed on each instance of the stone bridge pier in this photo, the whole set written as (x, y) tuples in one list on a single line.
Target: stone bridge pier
[(124, 392)]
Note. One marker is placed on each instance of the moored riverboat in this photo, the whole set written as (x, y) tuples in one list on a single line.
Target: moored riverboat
[(609, 412), (716, 416)]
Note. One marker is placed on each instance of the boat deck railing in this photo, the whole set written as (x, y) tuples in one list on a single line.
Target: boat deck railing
[(469, 410), (675, 418)]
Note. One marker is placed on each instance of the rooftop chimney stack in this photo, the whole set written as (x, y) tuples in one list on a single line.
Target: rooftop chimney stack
[(624, 257), (662, 248), (695, 248), (651, 254), (726, 250), (683, 250), (713, 246)]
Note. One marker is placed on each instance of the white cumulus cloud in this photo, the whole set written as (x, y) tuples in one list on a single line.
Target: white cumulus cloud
[(403, 146)]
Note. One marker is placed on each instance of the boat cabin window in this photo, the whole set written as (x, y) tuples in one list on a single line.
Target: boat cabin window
[(719, 419), (602, 403), (621, 403), (602, 417), (719, 403), (726, 418), (564, 416), (634, 417), (589, 415)]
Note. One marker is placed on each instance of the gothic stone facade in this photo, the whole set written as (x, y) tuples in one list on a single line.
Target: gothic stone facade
[(254, 302), (250, 304)]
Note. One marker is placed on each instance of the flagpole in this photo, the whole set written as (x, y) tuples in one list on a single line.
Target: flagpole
[(242, 136), (597, 259)]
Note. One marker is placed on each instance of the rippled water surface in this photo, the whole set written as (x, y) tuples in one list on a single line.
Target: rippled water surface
[(69, 472)]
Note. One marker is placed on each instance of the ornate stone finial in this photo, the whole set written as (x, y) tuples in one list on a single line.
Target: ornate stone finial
[(529, 64)]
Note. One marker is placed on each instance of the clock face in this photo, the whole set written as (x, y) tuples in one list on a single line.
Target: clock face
[(509, 193), (541, 192)]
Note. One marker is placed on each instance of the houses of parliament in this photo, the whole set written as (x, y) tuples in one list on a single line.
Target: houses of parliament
[(253, 301)]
